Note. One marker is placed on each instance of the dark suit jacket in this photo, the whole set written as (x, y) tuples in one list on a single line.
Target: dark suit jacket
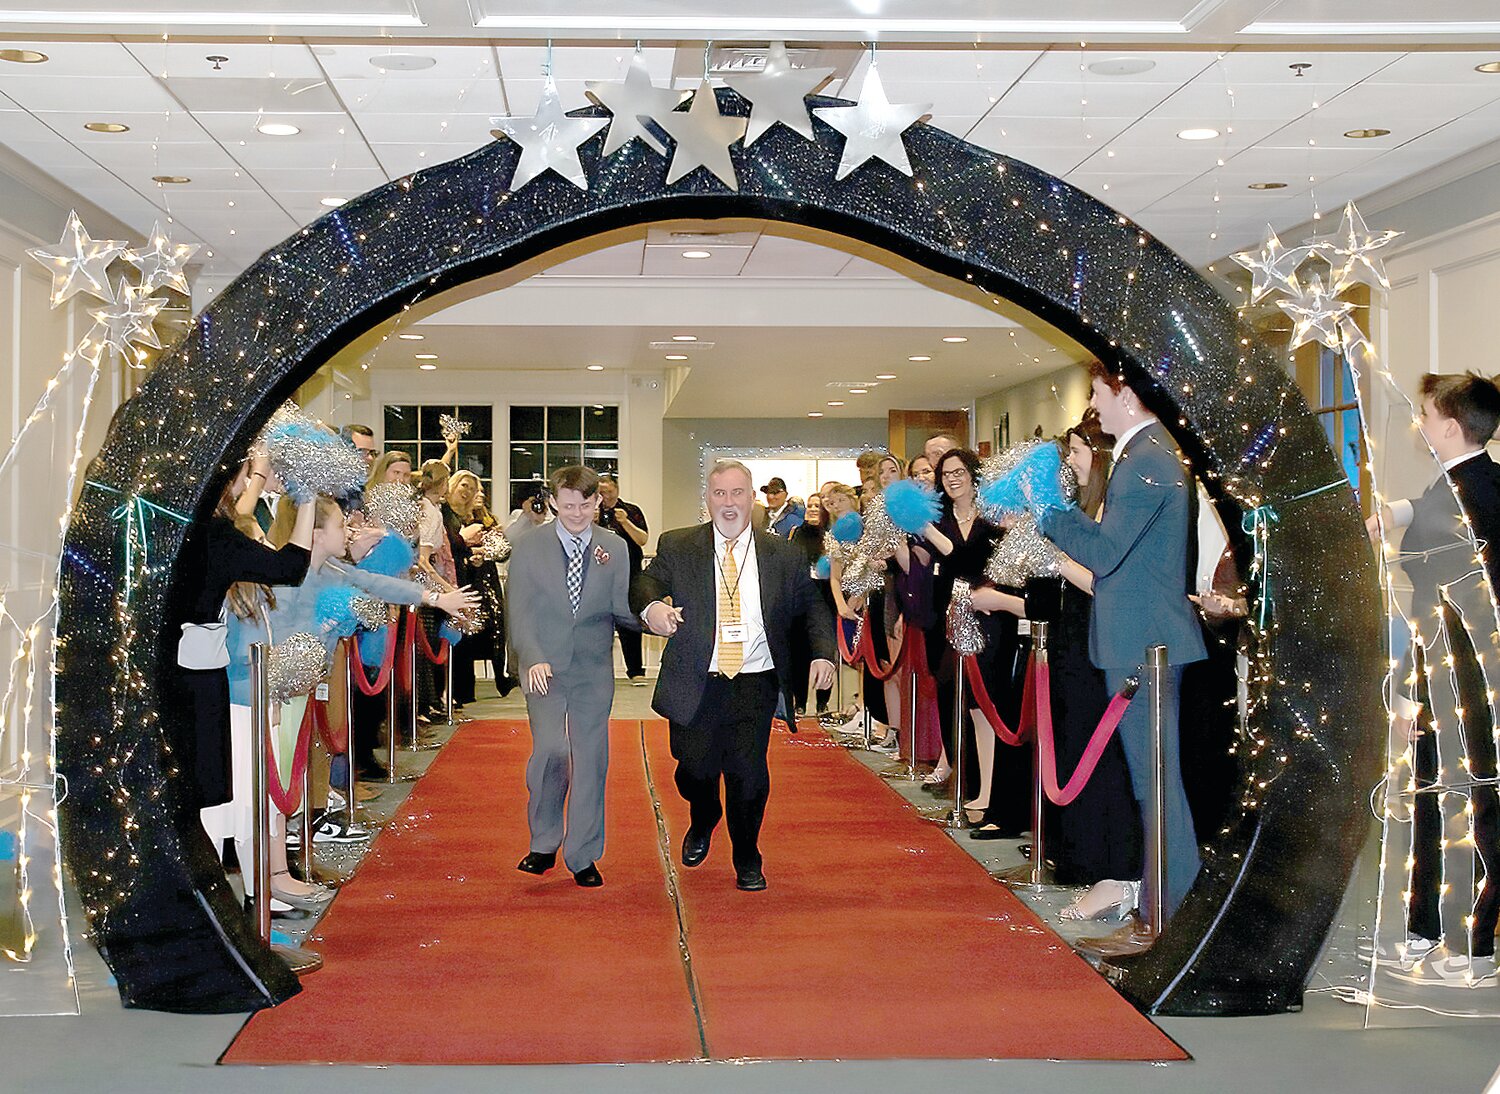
[(683, 569)]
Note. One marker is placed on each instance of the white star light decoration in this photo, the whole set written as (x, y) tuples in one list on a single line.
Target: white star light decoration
[(777, 94), (1348, 252), (129, 319), (549, 140), (703, 136), (873, 128), (1273, 268), (633, 103), (1316, 314), (78, 262), (161, 265)]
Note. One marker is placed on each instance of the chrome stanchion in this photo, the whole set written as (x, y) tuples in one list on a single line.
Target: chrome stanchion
[(305, 852), (448, 687), (1156, 815), (413, 620), (957, 818), (392, 776), (869, 733), (911, 721), (1035, 876), (351, 651)]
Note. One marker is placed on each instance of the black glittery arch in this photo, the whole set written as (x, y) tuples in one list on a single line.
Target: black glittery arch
[(1245, 939)]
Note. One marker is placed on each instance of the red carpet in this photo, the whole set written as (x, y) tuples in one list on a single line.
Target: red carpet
[(878, 938)]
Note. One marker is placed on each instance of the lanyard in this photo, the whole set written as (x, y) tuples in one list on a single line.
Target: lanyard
[(739, 574)]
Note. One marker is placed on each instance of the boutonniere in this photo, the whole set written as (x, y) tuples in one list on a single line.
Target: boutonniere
[(601, 556)]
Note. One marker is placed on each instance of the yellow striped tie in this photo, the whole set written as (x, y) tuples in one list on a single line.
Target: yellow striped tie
[(731, 654)]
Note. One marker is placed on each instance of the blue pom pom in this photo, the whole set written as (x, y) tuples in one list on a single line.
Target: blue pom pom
[(335, 610), (824, 568), (372, 647), (449, 633), (392, 556), (912, 505), (1035, 483), (848, 528)]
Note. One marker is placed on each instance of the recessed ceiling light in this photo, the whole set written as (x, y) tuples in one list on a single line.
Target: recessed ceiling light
[(859, 391), (332, 203), (1121, 66), (171, 180), (885, 376), (278, 129), (402, 62), (684, 337), (427, 366), (412, 337), (426, 357), (106, 127), (596, 368), (1204, 134), (22, 56), (814, 413), (920, 357), (697, 254), (1489, 68), (677, 357), (1267, 186), (955, 338), (1366, 134), (836, 402)]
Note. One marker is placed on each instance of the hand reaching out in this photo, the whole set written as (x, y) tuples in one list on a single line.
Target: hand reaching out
[(537, 678), (663, 619)]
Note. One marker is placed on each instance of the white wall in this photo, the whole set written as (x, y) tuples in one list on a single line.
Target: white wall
[(1054, 402)]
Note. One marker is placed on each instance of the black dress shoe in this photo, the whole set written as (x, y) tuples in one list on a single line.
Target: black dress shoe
[(695, 847), (750, 881), (589, 877), (537, 862)]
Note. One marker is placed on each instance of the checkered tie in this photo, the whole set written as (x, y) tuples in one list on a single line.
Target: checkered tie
[(575, 574), (731, 654)]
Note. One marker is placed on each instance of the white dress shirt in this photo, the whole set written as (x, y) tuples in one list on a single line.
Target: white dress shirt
[(757, 650), (1401, 511), (1125, 439)]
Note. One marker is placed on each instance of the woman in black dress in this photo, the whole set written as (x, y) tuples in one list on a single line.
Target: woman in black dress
[(810, 536)]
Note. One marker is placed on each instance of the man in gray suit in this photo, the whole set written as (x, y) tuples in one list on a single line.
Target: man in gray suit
[(568, 588), (1138, 554)]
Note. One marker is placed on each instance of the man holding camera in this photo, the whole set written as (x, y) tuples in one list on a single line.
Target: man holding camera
[(629, 523), (532, 513)]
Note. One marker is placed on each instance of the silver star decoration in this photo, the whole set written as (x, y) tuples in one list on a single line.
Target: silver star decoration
[(1315, 315), (549, 140), (1273, 268), (631, 102), (161, 265), (777, 94), (702, 137), (873, 129), (128, 319), (78, 262), (1348, 252)]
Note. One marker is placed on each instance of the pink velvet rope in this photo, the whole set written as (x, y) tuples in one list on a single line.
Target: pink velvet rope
[(981, 699), (1096, 746)]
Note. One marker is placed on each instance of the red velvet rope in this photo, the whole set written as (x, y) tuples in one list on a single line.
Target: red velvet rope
[(336, 746), (981, 699), (383, 676), (289, 799), (851, 657), (1097, 743), (415, 623), (864, 651), (408, 642)]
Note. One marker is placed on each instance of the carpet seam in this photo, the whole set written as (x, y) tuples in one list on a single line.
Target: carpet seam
[(674, 891)]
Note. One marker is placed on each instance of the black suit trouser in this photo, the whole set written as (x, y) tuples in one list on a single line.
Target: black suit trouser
[(728, 739)]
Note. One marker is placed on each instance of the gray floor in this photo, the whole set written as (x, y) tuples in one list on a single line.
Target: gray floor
[(1323, 1048)]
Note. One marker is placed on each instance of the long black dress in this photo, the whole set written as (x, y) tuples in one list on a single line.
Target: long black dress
[(1098, 836), (218, 555), (811, 538)]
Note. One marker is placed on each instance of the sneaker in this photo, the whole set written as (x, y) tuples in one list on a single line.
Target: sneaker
[(1452, 972), (1411, 952), (337, 830), (890, 746)]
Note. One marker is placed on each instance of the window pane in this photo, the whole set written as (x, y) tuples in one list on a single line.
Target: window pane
[(564, 423), (475, 458), (527, 423), (563, 455), (1327, 364), (1346, 384), (400, 423), (601, 423), (431, 450), (606, 461), (429, 422), (525, 461), (522, 490), (1350, 453), (481, 421), (1330, 424)]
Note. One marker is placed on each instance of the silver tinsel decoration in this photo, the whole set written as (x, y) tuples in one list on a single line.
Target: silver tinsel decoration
[(860, 578), (311, 460), (451, 425), (394, 507), (1023, 552), (964, 633), (881, 537), (296, 665), (370, 613), (470, 622), (493, 546)]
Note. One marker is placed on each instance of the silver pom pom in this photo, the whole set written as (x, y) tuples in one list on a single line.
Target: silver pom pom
[(310, 459), (880, 537), (493, 546), (296, 665), (859, 577), (370, 613), (450, 425), (394, 507), (964, 633), (1023, 552), (470, 622)]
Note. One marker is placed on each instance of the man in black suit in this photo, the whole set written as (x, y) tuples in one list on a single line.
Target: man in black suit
[(1459, 415), (727, 598)]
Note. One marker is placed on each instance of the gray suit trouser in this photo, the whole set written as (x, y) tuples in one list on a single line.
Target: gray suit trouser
[(569, 761)]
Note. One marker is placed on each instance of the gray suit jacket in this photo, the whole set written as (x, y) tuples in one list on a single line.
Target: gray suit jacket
[(1137, 553), (543, 627)]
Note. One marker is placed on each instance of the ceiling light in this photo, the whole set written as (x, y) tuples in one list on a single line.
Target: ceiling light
[(836, 402), (677, 357), (332, 203), (1489, 68), (859, 391), (596, 368), (885, 376), (278, 129), (171, 180), (697, 254), (1366, 134), (106, 127), (412, 337), (427, 366), (402, 62), (1121, 66), (426, 357), (955, 338), (1267, 186), (1204, 134), (920, 357), (814, 413), (22, 56), (684, 337)]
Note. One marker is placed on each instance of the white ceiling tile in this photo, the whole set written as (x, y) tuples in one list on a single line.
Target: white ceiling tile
[(182, 158), (667, 261), (443, 97), (1378, 105), (346, 182), (403, 159), (959, 125), (460, 62), (1003, 134), (1440, 67), (1037, 99), (1126, 192), (523, 95), (946, 97), (37, 92), (167, 127), (620, 260), (1328, 66), (1168, 66), (781, 256), (287, 59), (583, 62), (417, 128)]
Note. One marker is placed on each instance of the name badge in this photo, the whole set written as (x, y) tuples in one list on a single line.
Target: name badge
[(1023, 626), (322, 693), (732, 632)]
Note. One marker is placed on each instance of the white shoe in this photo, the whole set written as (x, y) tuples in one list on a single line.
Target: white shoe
[(890, 746), (1411, 952), (1453, 972)]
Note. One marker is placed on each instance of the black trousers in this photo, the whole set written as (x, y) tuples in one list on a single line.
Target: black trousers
[(630, 646), (728, 741)]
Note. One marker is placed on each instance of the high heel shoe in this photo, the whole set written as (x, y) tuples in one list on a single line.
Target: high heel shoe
[(1094, 905), (311, 902)]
